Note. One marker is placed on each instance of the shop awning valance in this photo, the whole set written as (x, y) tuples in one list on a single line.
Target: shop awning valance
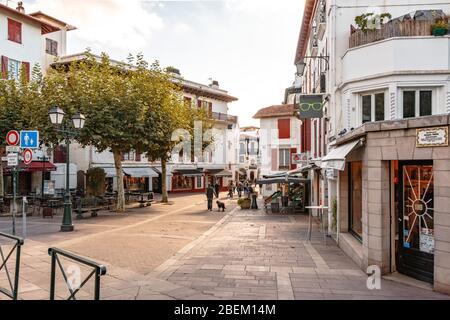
[(110, 172), (302, 169), (282, 180), (140, 172), (35, 166), (224, 173), (213, 172), (335, 159), (189, 172)]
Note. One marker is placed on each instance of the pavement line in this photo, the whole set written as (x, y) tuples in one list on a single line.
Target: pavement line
[(317, 258), (173, 263), (77, 240), (284, 286), (262, 232)]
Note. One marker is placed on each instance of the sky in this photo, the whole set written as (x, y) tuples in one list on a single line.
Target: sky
[(246, 45)]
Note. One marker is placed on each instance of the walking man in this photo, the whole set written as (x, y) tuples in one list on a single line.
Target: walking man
[(210, 196), (217, 189)]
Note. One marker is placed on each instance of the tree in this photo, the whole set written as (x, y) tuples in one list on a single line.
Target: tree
[(168, 120)]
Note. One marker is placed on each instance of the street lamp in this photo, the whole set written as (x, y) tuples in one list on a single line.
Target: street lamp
[(301, 64), (56, 117)]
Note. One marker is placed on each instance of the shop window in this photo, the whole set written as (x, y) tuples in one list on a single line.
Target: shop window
[(373, 107), (199, 182), (182, 182), (355, 199), (417, 103)]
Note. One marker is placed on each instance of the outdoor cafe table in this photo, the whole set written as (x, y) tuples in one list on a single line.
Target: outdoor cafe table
[(320, 212)]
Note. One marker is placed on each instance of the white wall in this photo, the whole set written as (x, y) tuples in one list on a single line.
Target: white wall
[(30, 48)]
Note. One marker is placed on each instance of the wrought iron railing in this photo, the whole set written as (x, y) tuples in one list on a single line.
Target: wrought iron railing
[(224, 117), (97, 271), (14, 287)]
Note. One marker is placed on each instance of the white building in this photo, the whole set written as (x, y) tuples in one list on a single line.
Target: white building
[(249, 155), (28, 40), (384, 96)]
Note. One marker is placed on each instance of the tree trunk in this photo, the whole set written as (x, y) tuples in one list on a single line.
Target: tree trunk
[(164, 196), (119, 174)]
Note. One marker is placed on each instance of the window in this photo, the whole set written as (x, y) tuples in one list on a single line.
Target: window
[(373, 107), (355, 185), (51, 47), (242, 148), (284, 155), (128, 156), (252, 148), (13, 69), (199, 182), (417, 103), (14, 31), (241, 159), (284, 128)]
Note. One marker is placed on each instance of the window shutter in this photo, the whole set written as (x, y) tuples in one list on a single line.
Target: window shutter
[(199, 104), (26, 69), (48, 46), (284, 128), (137, 155), (54, 48), (293, 165), (4, 67), (274, 159), (14, 31), (210, 108)]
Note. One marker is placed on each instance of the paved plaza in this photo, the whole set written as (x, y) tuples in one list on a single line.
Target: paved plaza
[(182, 251)]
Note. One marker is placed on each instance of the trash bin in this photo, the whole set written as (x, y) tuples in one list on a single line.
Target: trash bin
[(254, 202)]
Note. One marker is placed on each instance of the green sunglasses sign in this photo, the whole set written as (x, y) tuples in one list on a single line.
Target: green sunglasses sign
[(310, 106)]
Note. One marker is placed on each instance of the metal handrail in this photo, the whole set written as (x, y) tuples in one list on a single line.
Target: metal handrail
[(13, 294), (98, 270)]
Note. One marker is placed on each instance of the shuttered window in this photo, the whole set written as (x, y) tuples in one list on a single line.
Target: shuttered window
[(284, 128), (51, 47), (14, 31)]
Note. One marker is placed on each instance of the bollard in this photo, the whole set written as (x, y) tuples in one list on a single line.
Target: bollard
[(24, 217)]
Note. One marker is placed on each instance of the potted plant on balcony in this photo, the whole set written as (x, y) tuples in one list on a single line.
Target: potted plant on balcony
[(244, 203), (440, 27)]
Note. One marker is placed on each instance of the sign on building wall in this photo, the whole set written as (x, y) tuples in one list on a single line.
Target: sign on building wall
[(432, 137), (300, 158), (310, 106)]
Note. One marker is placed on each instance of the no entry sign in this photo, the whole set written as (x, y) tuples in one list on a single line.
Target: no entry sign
[(27, 156), (12, 137)]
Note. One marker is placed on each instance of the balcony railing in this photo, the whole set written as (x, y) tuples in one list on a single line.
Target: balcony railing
[(224, 117), (411, 28)]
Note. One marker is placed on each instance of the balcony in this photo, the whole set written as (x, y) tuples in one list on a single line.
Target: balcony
[(224, 117), (397, 55), (411, 28)]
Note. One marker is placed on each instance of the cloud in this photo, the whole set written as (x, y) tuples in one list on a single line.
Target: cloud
[(112, 23)]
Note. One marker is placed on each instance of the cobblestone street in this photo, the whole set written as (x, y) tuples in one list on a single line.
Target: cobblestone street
[(182, 251)]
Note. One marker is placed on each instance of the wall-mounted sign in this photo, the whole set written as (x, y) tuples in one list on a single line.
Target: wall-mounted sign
[(12, 159), (427, 241), (299, 158), (432, 137), (310, 106), (49, 187)]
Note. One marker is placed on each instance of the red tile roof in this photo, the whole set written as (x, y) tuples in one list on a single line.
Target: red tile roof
[(282, 110), (45, 27)]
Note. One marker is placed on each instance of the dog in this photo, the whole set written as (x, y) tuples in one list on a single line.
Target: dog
[(220, 205)]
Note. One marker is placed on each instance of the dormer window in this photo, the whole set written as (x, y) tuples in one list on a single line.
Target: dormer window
[(51, 47), (14, 31)]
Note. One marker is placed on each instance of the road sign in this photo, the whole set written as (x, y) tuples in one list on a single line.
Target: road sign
[(29, 139), (13, 159), (11, 149), (27, 156), (12, 137)]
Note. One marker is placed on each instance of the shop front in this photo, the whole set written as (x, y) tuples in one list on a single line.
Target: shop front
[(394, 197), (31, 177), (188, 180), (138, 179), (219, 176)]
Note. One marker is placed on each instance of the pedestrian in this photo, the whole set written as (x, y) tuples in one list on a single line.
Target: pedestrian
[(230, 189), (239, 189), (217, 189), (210, 196)]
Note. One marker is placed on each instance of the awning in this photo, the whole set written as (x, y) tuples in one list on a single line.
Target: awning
[(140, 172), (213, 172), (335, 159), (302, 169), (189, 172), (282, 180), (35, 166), (224, 173), (110, 172)]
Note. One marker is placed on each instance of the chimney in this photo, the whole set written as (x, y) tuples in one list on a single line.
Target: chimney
[(20, 7), (214, 84)]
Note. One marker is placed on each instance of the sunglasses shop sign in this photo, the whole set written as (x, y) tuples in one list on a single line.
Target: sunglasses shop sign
[(310, 106)]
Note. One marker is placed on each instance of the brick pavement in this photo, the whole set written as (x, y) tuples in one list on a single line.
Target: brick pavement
[(183, 252)]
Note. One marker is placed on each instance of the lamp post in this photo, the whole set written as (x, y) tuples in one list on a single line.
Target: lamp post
[(56, 117)]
